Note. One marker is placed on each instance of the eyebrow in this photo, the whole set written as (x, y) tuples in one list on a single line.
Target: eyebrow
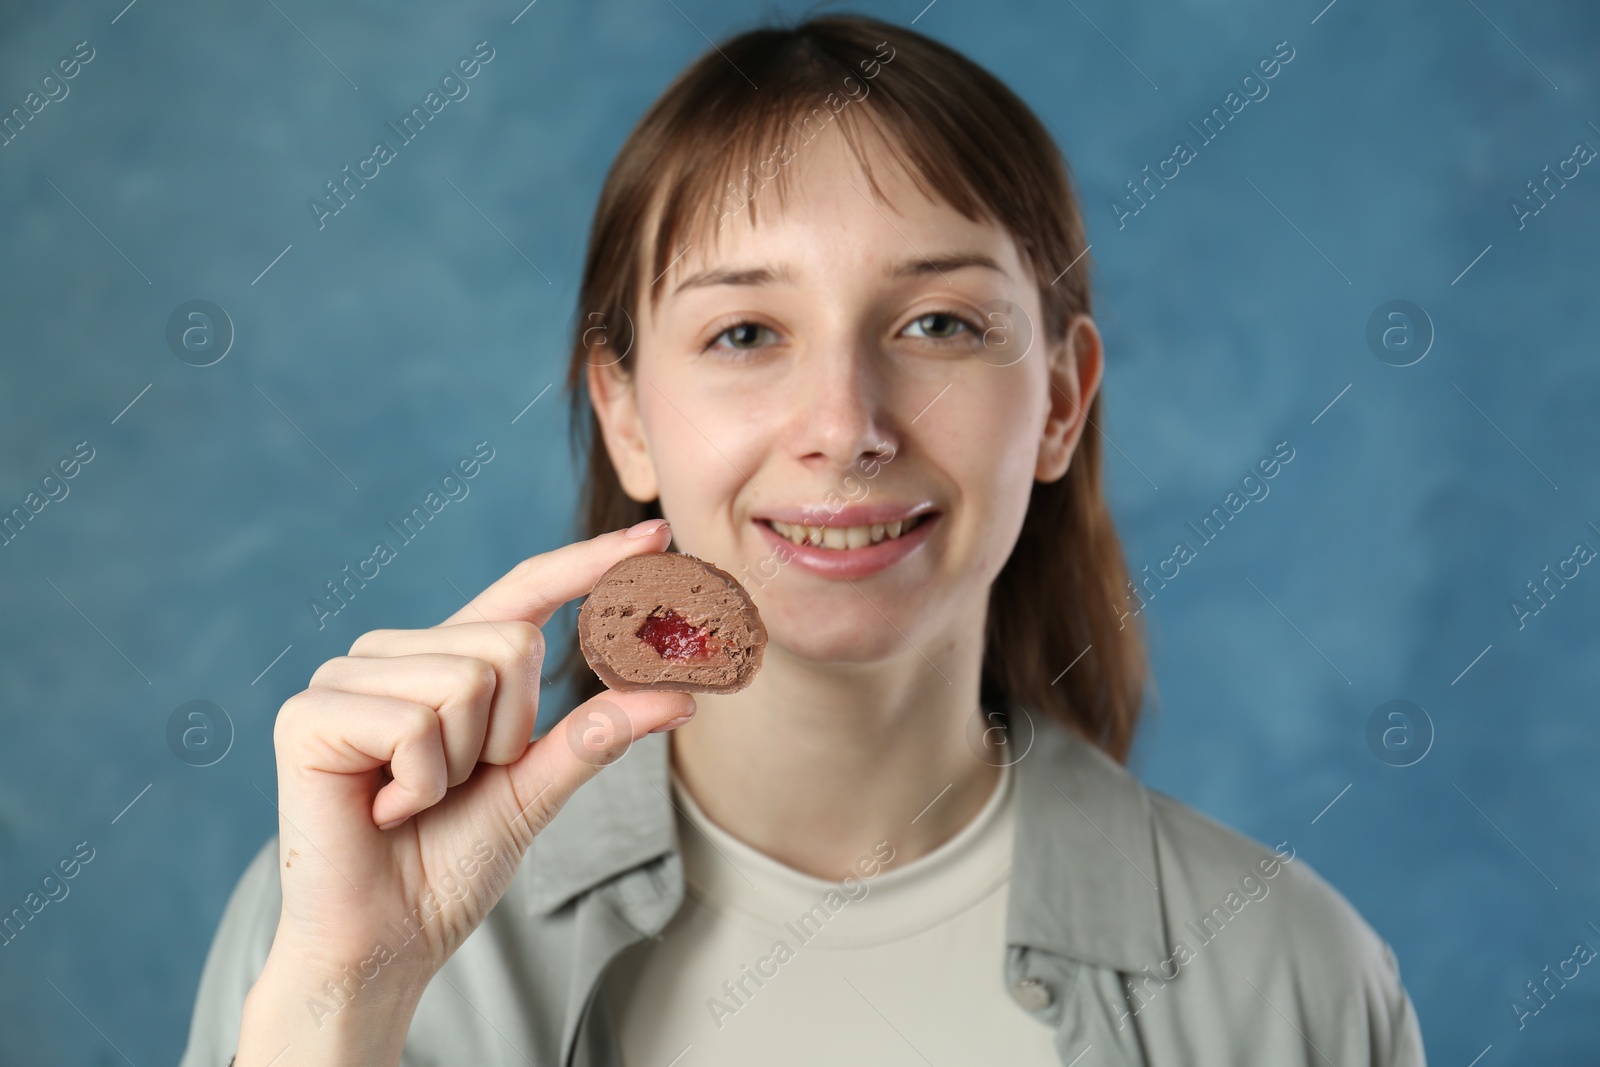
[(919, 266)]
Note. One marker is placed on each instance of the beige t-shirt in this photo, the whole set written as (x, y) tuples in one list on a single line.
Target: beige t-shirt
[(765, 964)]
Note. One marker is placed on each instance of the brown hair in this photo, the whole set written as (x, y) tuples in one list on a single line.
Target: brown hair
[(983, 151)]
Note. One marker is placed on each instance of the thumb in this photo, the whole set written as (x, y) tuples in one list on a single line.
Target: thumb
[(593, 735)]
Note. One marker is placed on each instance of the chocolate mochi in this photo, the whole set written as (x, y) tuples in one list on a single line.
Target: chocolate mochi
[(671, 621)]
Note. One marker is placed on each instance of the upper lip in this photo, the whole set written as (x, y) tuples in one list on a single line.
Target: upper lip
[(851, 515)]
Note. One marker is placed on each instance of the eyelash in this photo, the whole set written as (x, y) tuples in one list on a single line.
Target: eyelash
[(967, 324)]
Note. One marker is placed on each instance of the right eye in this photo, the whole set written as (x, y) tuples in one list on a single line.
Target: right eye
[(744, 336)]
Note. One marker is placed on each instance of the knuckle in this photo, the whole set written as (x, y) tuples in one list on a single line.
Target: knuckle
[(418, 723), (281, 728), (292, 727), (289, 712), (328, 670), (427, 787), (478, 677), (435, 776), (527, 639), (370, 641), (525, 569)]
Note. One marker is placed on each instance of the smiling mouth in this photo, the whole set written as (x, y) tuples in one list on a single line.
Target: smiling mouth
[(846, 537)]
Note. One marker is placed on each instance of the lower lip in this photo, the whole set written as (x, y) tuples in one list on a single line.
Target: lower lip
[(848, 563)]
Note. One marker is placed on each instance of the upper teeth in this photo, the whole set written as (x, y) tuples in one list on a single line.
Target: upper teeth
[(843, 536)]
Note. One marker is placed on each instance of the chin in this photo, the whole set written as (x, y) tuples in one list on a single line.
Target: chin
[(856, 649), (858, 636)]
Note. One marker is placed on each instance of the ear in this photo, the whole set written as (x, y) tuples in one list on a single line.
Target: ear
[(611, 393), (1073, 373)]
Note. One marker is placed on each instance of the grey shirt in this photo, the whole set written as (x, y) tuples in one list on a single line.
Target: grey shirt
[(1138, 930)]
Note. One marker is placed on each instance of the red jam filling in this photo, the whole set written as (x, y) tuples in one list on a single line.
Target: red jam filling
[(673, 637)]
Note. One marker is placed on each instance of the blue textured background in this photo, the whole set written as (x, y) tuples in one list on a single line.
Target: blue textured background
[(1381, 566)]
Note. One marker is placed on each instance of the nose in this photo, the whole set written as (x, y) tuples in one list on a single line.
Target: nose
[(840, 414)]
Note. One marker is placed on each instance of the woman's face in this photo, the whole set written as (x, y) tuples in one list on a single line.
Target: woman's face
[(846, 366)]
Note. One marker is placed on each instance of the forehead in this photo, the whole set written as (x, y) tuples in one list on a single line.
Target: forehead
[(814, 205)]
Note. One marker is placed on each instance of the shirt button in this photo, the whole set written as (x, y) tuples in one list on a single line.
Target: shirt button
[(1031, 994)]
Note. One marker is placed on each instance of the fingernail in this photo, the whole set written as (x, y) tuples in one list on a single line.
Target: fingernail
[(673, 724), (647, 527), (390, 825)]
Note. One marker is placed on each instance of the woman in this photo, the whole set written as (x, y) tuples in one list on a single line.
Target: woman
[(835, 327)]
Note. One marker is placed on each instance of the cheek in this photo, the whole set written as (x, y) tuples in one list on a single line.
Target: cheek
[(702, 447), (993, 434), (989, 445)]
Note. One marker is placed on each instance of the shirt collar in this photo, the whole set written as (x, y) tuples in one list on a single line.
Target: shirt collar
[(1084, 879), (621, 818)]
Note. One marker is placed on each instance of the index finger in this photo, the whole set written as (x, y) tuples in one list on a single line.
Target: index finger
[(536, 587)]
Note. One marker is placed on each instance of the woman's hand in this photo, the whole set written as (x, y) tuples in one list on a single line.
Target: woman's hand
[(408, 793)]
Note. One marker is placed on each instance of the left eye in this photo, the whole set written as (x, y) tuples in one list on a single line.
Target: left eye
[(743, 337), (939, 325)]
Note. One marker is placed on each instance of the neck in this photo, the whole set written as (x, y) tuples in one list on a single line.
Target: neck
[(814, 765)]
